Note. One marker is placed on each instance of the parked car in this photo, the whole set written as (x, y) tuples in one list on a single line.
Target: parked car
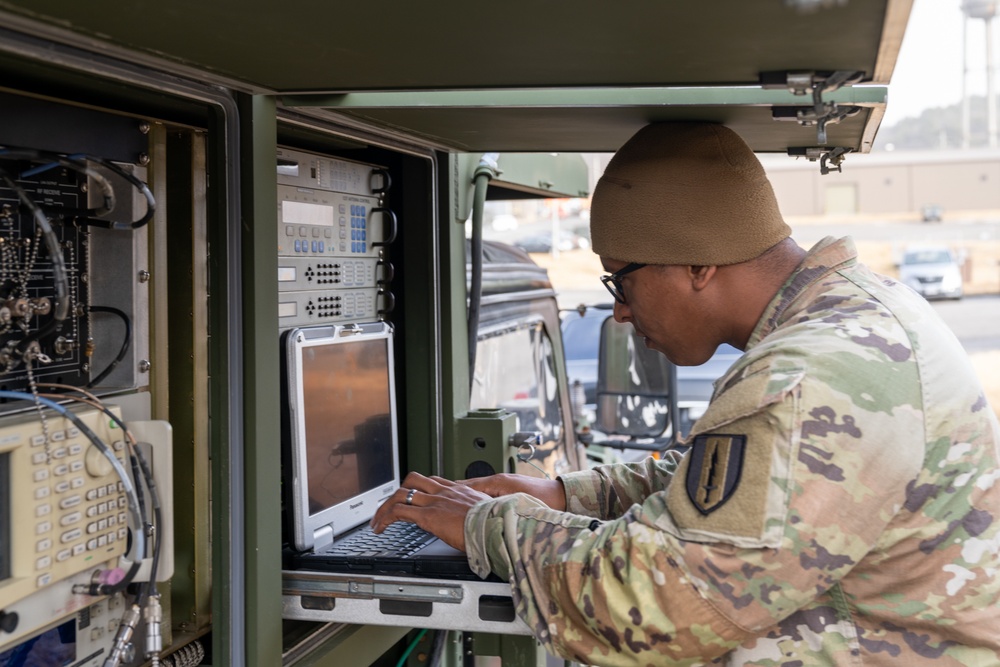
[(504, 222), (543, 242), (581, 331), (932, 271), (931, 213)]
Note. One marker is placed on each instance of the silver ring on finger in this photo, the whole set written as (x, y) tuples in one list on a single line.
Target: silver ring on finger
[(409, 496)]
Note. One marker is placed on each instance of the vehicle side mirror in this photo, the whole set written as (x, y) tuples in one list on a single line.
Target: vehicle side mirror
[(636, 386)]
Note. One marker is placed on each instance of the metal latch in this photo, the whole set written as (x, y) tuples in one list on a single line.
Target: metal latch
[(816, 84), (525, 444), (827, 156)]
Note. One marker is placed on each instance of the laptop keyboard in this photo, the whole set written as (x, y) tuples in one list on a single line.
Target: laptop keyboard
[(399, 539)]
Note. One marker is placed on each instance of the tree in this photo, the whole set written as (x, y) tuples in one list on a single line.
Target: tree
[(937, 128)]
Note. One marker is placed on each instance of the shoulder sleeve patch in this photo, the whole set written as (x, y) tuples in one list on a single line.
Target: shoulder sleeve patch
[(733, 484), (716, 462)]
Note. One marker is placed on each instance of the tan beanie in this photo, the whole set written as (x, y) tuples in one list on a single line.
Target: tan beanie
[(685, 193)]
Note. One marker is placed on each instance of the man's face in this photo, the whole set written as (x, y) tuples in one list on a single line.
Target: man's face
[(664, 310)]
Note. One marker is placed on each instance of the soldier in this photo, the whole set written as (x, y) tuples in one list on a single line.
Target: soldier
[(837, 504)]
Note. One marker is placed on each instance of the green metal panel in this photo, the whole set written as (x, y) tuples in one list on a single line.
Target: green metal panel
[(601, 119), (533, 77), (260, 391), (513, 650), (421, 298), (482, 440), (523, 175), (350, 645), (187, 369), (454, 330), (314, 46), (543, 174), (221, 395), (581, 98)]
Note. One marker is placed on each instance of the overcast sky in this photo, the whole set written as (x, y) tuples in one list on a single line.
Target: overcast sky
[(929, 69)]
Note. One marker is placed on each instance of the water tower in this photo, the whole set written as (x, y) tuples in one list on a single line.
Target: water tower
[(985, 10)]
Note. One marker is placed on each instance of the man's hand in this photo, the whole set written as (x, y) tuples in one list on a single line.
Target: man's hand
[(437, 505), (549, 491)]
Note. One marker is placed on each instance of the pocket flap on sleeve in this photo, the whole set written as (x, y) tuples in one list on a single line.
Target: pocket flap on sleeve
[(746, 397)]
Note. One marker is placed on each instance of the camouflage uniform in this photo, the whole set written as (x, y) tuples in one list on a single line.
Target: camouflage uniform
[(836, 508)]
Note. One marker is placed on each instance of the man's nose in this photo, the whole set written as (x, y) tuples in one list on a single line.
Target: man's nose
[(622, 312)]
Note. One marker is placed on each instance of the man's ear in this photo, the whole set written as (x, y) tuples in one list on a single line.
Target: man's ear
[(701, 275)]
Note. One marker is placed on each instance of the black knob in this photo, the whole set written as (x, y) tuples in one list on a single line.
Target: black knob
[(8, 621)]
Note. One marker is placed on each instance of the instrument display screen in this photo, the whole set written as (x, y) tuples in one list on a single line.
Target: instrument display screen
[(55, 647)]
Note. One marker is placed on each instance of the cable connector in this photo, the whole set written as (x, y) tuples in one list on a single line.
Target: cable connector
[(122, 650), (489, 165), (152, 615), (103, 582)]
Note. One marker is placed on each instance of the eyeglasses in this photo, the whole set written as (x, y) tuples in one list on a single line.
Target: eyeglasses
[(614, 283)]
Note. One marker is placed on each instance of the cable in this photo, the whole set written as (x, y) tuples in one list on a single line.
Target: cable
[(136, 183), (99, 588), (53, 160), (147, 603), (78, 163), (60, 277), (186, 656), (154, 497), (485, 172), (101, 446), (150, 482), (409, 649), (437, 648), (126, 342)]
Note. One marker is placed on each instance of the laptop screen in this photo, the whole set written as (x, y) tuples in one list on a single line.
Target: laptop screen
[(342, 409)]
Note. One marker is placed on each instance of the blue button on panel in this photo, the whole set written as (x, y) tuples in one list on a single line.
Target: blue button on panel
[(321, 248), (298, 245)]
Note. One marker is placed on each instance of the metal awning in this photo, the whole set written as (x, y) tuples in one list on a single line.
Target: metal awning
[(525, 76), (594, 120)]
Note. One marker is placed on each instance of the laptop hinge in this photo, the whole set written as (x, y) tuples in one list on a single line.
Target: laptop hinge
[(323, 537)]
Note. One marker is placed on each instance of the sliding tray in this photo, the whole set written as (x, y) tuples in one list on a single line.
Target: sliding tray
[(475, 606)]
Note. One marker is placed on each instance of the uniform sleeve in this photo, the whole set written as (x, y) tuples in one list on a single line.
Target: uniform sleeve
[(607, 491), (741, 538), (616, 593)]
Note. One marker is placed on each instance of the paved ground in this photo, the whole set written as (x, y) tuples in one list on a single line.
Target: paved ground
[(975, 320)]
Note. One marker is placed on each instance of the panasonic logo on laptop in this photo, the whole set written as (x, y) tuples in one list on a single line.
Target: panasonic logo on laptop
[(357, 505)]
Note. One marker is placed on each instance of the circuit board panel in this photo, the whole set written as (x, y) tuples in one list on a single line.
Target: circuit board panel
[(33, 344)]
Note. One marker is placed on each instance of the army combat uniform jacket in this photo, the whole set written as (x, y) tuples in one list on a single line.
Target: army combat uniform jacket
[(838, 505)]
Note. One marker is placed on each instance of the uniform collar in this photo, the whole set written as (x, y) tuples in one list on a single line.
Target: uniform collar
[(826, 257)]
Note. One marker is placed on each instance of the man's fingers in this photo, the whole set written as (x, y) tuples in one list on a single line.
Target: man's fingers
[(398, 512), (432, 484)]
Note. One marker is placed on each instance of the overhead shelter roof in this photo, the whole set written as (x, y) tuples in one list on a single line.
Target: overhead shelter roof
[(524, 76)]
